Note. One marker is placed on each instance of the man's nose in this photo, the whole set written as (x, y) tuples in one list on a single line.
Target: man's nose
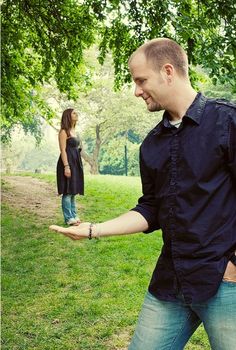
[(138, 91)]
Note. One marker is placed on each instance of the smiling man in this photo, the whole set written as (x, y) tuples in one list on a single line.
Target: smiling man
[(159, 69), (188, 172)]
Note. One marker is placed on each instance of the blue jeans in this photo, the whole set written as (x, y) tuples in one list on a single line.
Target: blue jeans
[(68, 207), (164, 325)]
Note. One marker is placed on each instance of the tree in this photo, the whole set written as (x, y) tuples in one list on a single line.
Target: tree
[(46, 40), (109, 114), (113, 161), (12, 156), (206, 29), (41, 41)]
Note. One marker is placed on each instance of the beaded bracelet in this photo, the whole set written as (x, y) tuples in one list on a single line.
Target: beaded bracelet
[(98, 231), (90, 231)]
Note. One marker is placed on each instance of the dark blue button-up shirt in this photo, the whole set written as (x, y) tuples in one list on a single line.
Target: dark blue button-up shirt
[(189, 191)]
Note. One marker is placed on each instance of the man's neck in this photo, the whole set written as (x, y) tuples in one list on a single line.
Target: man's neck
[(180, 104)]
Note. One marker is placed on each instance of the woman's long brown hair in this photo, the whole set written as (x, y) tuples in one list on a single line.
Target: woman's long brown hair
[(66, 121)]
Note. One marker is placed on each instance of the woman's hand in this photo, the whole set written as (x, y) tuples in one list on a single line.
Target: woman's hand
[(67, 171), (74, 232)]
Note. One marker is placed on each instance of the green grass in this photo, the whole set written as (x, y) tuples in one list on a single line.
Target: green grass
[(65, 295)]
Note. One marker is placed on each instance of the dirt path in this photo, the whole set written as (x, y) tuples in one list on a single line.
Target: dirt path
[(31, 194)]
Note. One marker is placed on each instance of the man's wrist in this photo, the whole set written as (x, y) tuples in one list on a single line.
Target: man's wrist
[(94, 231), (98, 230)]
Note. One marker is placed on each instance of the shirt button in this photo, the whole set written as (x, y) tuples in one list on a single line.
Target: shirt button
[(188, 300)]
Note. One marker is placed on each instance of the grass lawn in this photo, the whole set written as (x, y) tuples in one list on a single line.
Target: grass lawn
[(65, 295)]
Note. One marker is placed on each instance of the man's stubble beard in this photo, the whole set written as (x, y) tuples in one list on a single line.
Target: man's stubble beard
[(154, 107)]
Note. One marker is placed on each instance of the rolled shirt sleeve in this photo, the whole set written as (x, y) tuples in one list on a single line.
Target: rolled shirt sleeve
[(147, 204)]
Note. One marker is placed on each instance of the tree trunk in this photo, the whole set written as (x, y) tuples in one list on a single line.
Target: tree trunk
[(93, 160), (89, 159)]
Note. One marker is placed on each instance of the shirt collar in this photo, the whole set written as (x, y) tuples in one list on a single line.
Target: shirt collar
[(196, 109), (194, 112)]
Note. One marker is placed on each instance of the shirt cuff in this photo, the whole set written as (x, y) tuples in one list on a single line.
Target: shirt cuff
[(153, 224)]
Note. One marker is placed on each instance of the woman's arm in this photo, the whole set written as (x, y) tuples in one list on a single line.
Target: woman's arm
[(62, 137)]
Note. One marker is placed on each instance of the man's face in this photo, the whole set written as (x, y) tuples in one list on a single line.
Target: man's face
[(150, 84)]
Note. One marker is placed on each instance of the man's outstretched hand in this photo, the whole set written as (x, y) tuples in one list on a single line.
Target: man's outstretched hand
[(74, 232)]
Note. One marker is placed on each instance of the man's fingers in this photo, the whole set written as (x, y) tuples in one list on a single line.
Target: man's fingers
[(58, 228), (63, 230), (69, 232), (71, 236)]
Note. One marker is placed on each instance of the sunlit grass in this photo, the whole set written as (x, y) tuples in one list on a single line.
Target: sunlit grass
[(65, 295)]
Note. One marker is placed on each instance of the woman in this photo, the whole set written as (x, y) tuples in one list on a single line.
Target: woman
[(70, 176)]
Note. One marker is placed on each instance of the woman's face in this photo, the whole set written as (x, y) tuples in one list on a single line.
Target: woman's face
[(74, 116)]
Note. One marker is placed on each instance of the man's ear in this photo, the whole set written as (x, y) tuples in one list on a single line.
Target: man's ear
[(167, 72)]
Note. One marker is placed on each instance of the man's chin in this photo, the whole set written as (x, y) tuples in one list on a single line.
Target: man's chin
[(154, 107)]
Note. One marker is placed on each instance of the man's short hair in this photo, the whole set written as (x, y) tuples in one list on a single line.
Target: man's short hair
[(163, 50)]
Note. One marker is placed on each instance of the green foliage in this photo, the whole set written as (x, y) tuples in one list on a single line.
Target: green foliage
[(41, 158), (206, 29), (112, 158), (22, 106), (219, 91), (22, 152), (41, 41), (115, 112), (46, 40)]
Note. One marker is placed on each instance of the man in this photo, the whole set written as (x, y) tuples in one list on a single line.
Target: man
[(188, 172)]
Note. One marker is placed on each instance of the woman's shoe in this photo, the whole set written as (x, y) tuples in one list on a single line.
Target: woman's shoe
[(72, 221), (78, 220)]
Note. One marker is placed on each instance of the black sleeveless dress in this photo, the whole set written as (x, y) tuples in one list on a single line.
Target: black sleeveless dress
[(74, 184)]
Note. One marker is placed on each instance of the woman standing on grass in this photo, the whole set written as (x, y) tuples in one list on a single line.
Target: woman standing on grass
[(70, 176)]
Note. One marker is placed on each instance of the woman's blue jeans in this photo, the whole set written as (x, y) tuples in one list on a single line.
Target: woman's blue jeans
[(166, 325), (68, 207)]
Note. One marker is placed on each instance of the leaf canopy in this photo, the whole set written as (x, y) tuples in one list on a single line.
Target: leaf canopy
[(45, 40)]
